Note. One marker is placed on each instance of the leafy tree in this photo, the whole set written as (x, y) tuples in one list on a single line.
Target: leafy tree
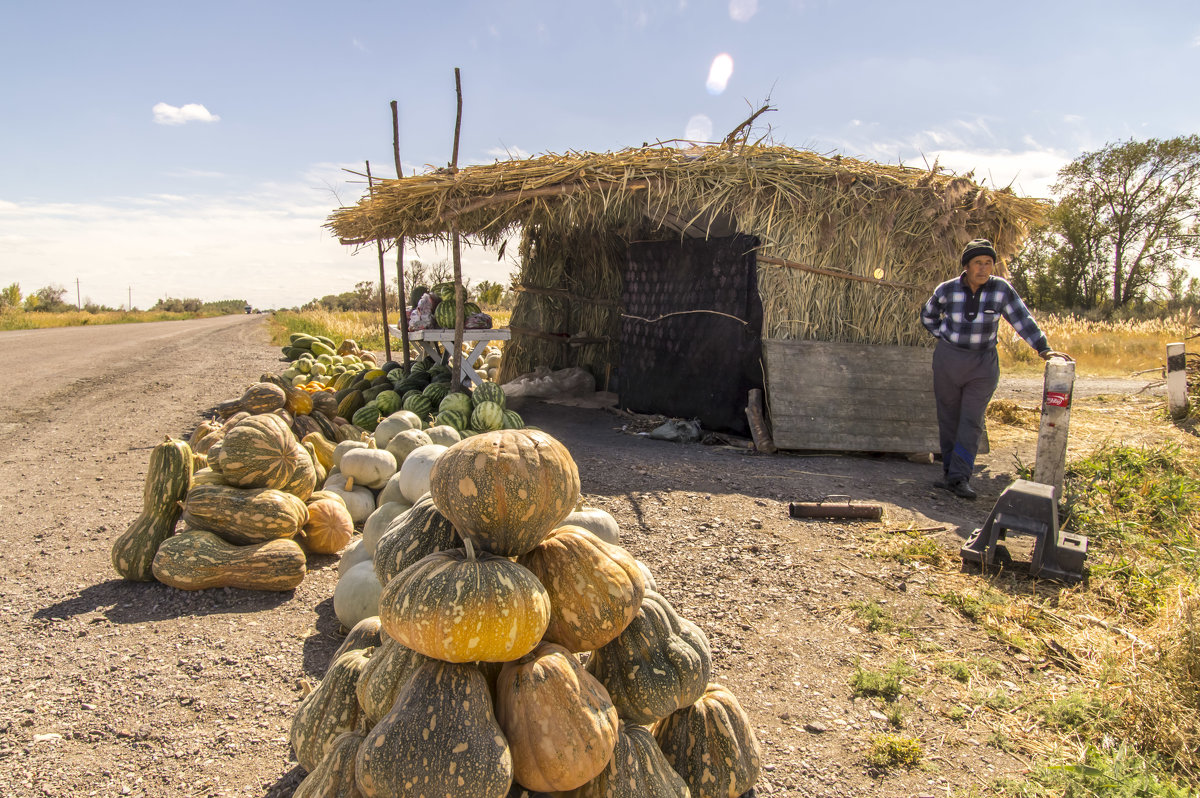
[(1136, 207), (10, 296), (50, 299)]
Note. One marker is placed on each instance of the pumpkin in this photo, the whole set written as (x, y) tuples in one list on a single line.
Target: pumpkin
[(443, 434), (168, 478), (647, 576), (460, 606), (328, 711), (304, 425), (329, 528), (202, 429), (711, 745), (355, 553), (261, 452), (245, 515), (356, 595), (659, 664), (341, 447), (384, 677), (370, 466), (595, 589), (412, 536), (559, 721), (197, 559), (322, 447), (299, 402), (364, 636), (333, 776), (599, 522), (261, 397), (378, 522), (359, 500), (393, 423), (505, 490), (213, 438), (206, 476), (440, 738), (403, 442), (637, 769), (417, 469), (391, 492)]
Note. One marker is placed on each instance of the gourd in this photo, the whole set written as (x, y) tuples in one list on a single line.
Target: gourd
[(559, 721), (355, 553), (340, 449), (370, 466), (404, 442), (298, 402), (205, 444), (261, 452), (197, 559), (505, 490), (378, 522), (659, 664), (711, 745), (392, 424), (416, 472), (333, 776), (384, 677), (364, 636), (391, 492), (324, 404), (412, 536), (443, 434), (168, 478), (329, 528), (460, 606), (359, 500), (245, 515), (595, 589), (261, 397), (440, 738), (599, 522), (328, 711), (637, 769), (356, 595), (323, 448), (647, 576)]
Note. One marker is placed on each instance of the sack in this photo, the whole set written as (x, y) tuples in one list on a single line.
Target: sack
[(477, 321), (677, 430)]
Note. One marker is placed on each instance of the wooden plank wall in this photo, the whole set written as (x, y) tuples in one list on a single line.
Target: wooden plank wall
[(851, 397)]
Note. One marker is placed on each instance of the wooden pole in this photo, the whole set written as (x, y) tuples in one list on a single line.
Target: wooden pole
[(400, 289), (459, 299), (387, 340), (1177, 395), (1051, 464), (758, 423)]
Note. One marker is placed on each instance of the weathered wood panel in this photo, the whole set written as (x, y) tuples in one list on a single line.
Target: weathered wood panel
[(851, 397)]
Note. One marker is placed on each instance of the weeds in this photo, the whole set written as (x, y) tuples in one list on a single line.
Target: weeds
[(887, 684), (894, 750), (877, 617)]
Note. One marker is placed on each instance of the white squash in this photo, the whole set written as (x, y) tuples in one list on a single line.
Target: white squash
[(340, 450), (352, 555), (597, 521), (443, 434), (379, 522), (390, 492), (356, 595), (370, 466), (396, 422), (414, 473), (404, 442), (359, 499)]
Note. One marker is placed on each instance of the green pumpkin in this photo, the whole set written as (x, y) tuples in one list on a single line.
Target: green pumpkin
[(328, 711), (637, 769), (260, 451), (711, 745), (412, 536), (334, 775), (168, 479), (390, 668)]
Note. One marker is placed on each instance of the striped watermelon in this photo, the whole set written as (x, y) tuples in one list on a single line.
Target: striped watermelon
[(440, 372), (443, 314), (419, 404), (388, 402), (436, 392), (487, 416), (451, 418), (366, 417), (512, 420), (488, 392), (458, 401)]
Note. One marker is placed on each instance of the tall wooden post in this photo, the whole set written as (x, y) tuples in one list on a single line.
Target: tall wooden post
[(1177, 395), (387, 339), (459, 298), (400, 289), (1051, 463)]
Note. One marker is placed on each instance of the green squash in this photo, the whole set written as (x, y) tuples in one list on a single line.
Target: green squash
[(168, 479), (262, 452), (412, 536), (197, 559), (328, 711), (245, 515), (384, 677), (637, 769), (334, 775), (711, 745)]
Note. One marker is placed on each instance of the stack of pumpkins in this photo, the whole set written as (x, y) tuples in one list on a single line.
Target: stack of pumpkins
[(471, 682)]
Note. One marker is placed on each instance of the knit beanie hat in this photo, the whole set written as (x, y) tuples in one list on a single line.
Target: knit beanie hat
[(980, 246)]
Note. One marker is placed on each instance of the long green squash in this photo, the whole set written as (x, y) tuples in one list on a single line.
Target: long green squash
[(168, 479), (245, 515)]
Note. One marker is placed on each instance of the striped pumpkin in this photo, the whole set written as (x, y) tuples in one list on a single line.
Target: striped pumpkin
[(711, 745), (261, 452), (245, 515), (197, 560)]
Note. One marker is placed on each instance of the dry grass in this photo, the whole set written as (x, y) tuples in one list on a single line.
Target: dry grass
[(1102, 348), (22, 320)]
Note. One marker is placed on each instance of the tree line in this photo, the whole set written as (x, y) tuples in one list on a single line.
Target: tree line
[(52, 299), (418, 277)]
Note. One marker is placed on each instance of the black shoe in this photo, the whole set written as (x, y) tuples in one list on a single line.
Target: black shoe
[(942, 483), (962, 490)]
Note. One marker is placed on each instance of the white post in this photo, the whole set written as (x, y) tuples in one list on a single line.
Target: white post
[(1051, 462), (1177, 396)]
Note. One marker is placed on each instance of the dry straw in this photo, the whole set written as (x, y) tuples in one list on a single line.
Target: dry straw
[(893, 224)]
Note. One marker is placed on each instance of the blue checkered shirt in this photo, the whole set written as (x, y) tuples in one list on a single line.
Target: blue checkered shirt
[(948, 314)]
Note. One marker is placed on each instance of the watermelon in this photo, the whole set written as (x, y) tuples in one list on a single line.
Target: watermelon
[(444, 291), (458, 401), (488, 392), (487, 416), (366, 417), (388, 402), (512, 420), (443, 315), (436, 391), (420, 405), (451, 418), (439, 372)]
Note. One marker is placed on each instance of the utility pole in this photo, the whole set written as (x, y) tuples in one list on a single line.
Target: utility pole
[(78, 304), (129, 305)]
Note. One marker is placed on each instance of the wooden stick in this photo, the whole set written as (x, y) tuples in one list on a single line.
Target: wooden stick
[(832, 273), (400, 289), (387, 338), (758, 423), (459, 299)]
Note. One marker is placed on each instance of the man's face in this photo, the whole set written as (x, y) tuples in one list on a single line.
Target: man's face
[(979, 270)]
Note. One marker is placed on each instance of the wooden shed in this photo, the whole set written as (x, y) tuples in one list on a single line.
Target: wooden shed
[(683, 276)]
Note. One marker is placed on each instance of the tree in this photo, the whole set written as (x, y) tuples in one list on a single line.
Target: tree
[(10, 296), (49, 299), (1136, 204)]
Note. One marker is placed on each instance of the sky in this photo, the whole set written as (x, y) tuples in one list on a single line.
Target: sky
[(195, 150)]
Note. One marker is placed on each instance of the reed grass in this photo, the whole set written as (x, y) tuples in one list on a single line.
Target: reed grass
[(1100, 348), (26, 320)]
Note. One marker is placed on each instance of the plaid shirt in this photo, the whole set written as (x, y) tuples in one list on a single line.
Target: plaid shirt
[(971, 321)]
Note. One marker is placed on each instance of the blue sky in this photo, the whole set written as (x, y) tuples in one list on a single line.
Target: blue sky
[(182, 149)]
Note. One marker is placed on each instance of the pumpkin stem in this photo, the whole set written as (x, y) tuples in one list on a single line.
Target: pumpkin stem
[(470, 548), (371, 442), (349, 483)]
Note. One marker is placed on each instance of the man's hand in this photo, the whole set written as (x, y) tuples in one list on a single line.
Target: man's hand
[(1046, 354)]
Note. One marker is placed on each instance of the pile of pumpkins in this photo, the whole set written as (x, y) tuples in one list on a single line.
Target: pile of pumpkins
[(515, 654)]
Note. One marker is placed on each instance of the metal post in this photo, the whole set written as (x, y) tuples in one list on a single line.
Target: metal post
[(1177, 395), (1051, 462)]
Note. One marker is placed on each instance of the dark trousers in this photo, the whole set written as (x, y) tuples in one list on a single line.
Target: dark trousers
[(963, 383)]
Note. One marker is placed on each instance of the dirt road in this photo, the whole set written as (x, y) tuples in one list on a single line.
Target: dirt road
[(114, 688)]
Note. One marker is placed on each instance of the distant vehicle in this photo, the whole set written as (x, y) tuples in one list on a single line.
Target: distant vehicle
[(249, 309)]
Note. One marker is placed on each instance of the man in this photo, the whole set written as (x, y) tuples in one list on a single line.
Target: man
[(964, 315)]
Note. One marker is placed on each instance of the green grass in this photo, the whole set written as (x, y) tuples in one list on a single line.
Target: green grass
[(1118, 772), (893, 750), (887, 684)]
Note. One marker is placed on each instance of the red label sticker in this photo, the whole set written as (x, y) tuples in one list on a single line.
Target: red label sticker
[(1056, 399)]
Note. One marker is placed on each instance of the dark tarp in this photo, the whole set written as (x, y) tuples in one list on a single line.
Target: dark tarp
[(692, 365)]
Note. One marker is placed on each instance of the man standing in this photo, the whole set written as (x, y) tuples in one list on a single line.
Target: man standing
[(964, 315)]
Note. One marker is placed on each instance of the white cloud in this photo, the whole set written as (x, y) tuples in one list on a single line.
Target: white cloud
[(507, 153), (699, 128), (358, 45), (719, 73), (165, 114), (1029, 172), (742, 10)]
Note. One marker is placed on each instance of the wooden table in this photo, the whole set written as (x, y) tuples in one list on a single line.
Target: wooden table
[(436, 343)]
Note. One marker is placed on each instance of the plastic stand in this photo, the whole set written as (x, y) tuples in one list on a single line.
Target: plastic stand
[(1029, 508)]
